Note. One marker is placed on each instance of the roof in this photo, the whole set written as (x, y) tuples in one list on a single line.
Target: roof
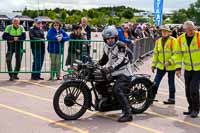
[(10, 15), (44, 19), (4, 17), (24, 18)]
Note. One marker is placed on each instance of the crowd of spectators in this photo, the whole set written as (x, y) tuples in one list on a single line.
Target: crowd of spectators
[(56, 36)]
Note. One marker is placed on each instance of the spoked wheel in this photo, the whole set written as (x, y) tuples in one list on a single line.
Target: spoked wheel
[(71, 101), (141, 95)]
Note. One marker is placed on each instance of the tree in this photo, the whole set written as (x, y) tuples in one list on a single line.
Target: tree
[(52, 14), (179, 17), (75, 12), (70, 20), (63, 16), (91, 14), (193, 12), (143, 20), (33, 14), (128, 14), (99, 16), (73, 19), (42, 13), (57, 10), (25, 12), (95, 21)]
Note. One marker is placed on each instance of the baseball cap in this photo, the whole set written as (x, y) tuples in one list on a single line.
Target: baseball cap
[(37, 20)]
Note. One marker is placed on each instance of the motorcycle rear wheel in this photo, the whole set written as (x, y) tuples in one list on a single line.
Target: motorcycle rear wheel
[(141, 102)]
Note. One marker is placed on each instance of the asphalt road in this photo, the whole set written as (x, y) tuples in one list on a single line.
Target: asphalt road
[(26, 107)]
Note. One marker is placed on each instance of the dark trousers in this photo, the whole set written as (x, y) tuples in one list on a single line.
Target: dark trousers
[(16, 48), (38, 59), (171, 82), (88, 50), (192, 89), (119, 89)]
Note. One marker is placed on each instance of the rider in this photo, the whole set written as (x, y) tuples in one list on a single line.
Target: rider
[(117, 65)]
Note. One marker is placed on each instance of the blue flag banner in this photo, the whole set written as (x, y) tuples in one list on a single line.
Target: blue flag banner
[(158, 12)]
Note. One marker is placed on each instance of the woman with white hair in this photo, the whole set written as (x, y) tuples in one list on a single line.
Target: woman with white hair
[(86, 32)]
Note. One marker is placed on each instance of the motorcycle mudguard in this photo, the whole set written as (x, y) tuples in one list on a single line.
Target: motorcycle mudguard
[(69, 77), (141, 76)]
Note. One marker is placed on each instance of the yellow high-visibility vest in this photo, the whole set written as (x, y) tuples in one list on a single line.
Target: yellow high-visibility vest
[(190, 56), (167, 54)]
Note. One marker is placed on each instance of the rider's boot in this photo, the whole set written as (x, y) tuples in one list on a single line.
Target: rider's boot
[(127, 113), (127, 116)]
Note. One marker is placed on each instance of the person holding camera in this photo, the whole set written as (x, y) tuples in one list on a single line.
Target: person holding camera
[(56, 37)]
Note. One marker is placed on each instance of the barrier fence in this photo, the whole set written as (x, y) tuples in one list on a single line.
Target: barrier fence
[(66, 54)]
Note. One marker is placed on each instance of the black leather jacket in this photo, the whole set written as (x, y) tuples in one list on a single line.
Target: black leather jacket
[(37, 34)]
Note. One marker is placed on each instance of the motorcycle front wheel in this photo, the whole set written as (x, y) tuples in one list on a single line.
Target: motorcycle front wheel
[(71, 101)]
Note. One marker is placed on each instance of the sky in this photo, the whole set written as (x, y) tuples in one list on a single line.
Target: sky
[(169, 5)]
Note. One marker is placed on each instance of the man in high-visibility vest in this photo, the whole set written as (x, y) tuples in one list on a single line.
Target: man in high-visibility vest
[(164, 62), (189, 55), (14, 34)]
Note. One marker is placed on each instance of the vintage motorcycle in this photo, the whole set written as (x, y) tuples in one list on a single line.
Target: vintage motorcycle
[(78, 93)]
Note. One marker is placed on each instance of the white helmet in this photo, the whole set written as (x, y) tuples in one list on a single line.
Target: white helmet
[(109, 32)]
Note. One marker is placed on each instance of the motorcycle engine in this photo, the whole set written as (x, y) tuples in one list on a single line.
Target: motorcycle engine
[(98, 75), (108, 104)]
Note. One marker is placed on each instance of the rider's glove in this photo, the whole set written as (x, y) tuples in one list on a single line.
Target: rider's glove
[(107, 70), (109, 77)]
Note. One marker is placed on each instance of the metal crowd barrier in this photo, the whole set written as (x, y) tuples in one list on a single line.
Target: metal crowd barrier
[(143, 47), (81, 49), (27, 57), (73, 49)]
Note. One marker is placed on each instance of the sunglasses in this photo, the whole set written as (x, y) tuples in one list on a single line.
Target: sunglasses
[(110, 38), (55, 25)]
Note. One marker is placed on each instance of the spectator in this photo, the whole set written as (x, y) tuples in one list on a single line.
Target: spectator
[(75, 47), (14, 34), (86, 31), (174, 32), (151, 31), (124, 34), (145, 31), (56, 37), (164, 62), (36, 34), (189, 44), (135, 35), (139, 31), (180, 30), (157, 33), (2, 26)]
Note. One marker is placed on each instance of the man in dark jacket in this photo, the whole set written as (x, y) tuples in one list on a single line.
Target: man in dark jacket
[(14, 34), (38, 49)]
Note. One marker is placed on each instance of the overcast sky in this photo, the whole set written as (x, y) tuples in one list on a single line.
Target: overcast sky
[(9, 5)]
